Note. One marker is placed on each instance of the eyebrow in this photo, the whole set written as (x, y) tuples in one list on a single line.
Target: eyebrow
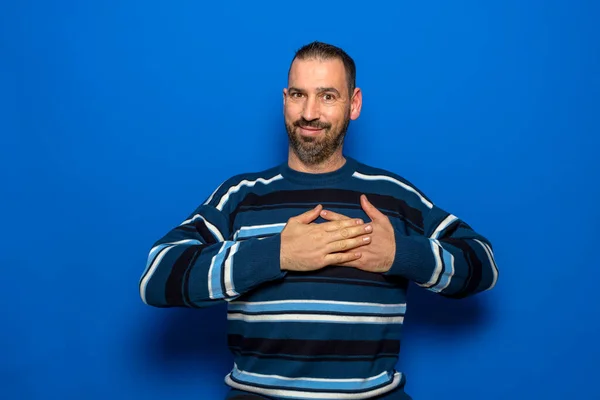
[(319, 90)]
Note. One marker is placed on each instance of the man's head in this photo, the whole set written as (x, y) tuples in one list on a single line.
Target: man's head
[(320, 101)]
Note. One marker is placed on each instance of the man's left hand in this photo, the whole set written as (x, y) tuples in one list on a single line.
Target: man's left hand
[(377, 256)]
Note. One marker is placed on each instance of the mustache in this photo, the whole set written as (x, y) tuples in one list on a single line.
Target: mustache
[(303, 123)]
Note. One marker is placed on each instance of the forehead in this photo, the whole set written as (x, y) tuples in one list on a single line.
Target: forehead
[(313, 73)]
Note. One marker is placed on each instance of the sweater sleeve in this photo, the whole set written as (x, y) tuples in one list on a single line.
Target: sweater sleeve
[(196, 265), (450, 258)]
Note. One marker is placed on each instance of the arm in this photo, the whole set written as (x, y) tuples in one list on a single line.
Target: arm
[(450, 258), (193, 265)]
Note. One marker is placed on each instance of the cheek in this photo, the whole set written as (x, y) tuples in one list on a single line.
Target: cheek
[(290, 113)]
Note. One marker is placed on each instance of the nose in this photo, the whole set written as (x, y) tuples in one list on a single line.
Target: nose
[(310, 111)]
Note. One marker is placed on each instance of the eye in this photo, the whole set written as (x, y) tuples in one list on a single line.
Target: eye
[(296, 95), (328, 97)]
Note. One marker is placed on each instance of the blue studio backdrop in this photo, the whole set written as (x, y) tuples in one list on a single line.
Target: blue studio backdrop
[(118, 118)]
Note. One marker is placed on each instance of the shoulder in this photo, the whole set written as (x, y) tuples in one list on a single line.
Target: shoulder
[(393, 184), (241, 182)]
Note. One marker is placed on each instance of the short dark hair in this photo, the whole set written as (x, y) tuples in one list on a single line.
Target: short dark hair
[(324, 51)]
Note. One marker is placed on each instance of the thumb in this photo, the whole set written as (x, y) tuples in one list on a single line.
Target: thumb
[(310, 215), (369, 208)]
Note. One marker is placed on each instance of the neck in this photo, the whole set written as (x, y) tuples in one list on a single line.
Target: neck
[(333, 163)]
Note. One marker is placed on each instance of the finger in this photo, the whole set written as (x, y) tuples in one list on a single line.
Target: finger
[(341, 258), (333, 226), (348, 244), (309, 216), (333, 216), (369, 208), (349, 233)]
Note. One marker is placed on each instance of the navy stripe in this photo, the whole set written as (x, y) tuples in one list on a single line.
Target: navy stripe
[(174, 286), (340, 198), (186, 278), (314, 348), (323, 290), (474, 274), (315, 330)]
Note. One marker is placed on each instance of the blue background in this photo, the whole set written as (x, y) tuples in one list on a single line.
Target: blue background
[(118, 118)]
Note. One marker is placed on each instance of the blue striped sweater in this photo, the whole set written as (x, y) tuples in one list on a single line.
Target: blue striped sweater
[(333, 333)]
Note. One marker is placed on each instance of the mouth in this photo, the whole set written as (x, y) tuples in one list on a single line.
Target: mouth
[(309, 131)]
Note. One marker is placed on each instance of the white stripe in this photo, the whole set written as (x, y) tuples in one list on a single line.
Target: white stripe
[(266, 227), (443, 225), (287, 378), (439, 288), (213, 229), (229, 289), (157, 260), (435, 245), (348, 303), (490, 255), (245, 182), (213, 194), (346, 319), (296, 394), (212, 290), (396, 181)]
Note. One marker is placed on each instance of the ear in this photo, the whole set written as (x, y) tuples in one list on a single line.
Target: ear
[(285, 92), (356, 103)]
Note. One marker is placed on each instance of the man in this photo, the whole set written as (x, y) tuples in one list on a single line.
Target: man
[(314, 256)]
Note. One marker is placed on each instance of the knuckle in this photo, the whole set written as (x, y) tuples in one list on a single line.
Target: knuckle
[(342, 244), (345, 233)]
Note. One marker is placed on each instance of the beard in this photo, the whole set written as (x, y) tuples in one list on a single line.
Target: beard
[(315, 150)]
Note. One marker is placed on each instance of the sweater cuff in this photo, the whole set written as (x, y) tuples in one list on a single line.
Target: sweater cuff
[(262, 262), (414, 259)]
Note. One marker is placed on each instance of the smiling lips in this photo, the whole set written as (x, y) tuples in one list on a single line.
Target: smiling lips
[(310, 131)]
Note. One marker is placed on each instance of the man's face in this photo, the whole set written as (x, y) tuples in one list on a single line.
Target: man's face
[(317, 108)]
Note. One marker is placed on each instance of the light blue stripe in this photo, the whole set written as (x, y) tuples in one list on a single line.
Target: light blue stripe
[(218, 268), (447, 270), (250, 232), (292, 307), (310, 385)]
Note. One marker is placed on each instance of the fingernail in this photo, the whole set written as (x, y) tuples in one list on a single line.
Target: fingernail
[(359, 221), (323, 212), (367, 238), (368, 228)]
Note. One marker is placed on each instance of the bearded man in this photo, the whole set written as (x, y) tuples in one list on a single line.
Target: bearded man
[(314, 256)]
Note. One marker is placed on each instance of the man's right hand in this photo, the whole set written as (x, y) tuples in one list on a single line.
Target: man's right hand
[(306, 246)]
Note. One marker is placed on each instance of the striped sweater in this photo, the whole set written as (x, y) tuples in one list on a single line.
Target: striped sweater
[(333, 333)]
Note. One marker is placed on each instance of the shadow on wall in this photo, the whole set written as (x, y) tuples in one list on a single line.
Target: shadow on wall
[(188, 341), (426, 309)]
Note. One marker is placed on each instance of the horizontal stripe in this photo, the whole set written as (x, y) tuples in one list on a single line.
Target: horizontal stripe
[(331, 198), (316, 330), (395, 181), (293, 394), (313, 348), (346, 273), (317, 305), (249, 183), (341, 319), (304, 383), (291, 288), (258, 230), (323, 368)]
